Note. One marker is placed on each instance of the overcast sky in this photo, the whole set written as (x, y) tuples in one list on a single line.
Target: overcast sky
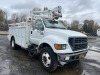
[(72, 9)]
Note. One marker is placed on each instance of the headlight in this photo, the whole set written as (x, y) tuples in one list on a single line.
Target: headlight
[(60, 46)]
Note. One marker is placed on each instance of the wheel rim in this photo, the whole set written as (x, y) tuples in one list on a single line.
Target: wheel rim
[(46, 59), (12, 44)]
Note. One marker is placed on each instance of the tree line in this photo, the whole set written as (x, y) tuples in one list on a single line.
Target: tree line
[(15, 18), (88, 26)]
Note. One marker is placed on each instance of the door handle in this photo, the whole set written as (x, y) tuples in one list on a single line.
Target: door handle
[(31, 32)]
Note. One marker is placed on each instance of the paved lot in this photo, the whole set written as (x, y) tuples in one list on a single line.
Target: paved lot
[(17, 62)]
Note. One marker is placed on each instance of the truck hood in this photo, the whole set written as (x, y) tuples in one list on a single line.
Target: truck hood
[(69, 33)]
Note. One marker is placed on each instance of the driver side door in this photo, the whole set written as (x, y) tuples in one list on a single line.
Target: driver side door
[(37, 33)]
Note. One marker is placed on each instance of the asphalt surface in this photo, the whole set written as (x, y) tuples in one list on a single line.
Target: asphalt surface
[(17, 62)]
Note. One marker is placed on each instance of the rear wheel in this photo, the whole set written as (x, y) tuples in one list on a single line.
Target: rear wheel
[(13, 44), (48, 59)]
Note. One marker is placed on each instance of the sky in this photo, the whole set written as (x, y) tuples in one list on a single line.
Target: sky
[(71, 9)]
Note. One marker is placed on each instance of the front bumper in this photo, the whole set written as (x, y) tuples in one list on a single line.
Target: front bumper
[(68, 57)]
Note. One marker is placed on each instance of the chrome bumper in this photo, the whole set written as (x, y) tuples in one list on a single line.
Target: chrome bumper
[(71, 56)]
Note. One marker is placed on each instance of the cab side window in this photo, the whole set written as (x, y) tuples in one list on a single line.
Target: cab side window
[(38, 25)]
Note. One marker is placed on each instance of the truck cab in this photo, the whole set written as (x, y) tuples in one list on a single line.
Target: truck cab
[(47, 31)]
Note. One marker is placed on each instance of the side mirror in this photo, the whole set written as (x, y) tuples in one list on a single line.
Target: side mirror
[(33, 27)]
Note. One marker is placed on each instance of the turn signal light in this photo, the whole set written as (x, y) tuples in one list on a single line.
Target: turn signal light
[(60, 46)]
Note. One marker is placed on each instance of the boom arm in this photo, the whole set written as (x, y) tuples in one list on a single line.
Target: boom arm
[(50, 14)]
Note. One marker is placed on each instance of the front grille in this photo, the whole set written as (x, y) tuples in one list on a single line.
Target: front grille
[(78, 43)]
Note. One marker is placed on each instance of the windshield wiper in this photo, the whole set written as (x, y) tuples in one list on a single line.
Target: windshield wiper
[(56, 27), (62, 28), (52, 27)]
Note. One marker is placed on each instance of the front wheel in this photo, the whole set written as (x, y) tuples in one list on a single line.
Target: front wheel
[(48, 59)]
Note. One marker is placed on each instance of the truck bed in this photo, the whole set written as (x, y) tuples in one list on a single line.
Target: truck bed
[(21, 35)]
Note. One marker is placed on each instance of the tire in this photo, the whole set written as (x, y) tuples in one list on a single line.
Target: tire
[(48, 59), (76, 62), (13, 44)]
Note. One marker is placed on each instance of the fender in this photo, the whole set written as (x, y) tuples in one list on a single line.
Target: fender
[(52, 39)]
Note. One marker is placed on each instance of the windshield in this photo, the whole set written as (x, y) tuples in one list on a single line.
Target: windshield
[(53, 24)]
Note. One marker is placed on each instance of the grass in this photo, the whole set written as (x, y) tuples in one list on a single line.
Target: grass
[(3, 32)]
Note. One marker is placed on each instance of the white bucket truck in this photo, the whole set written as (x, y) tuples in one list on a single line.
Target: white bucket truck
[(47, 37)]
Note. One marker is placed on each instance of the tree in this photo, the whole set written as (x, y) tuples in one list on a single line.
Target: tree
[(65, 23), (85, 26), (6, 20), (22, 17), (3, 20), (90, 27), (36, 9), (15, 18), (45, 8), (75, 25), (2, 16)]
